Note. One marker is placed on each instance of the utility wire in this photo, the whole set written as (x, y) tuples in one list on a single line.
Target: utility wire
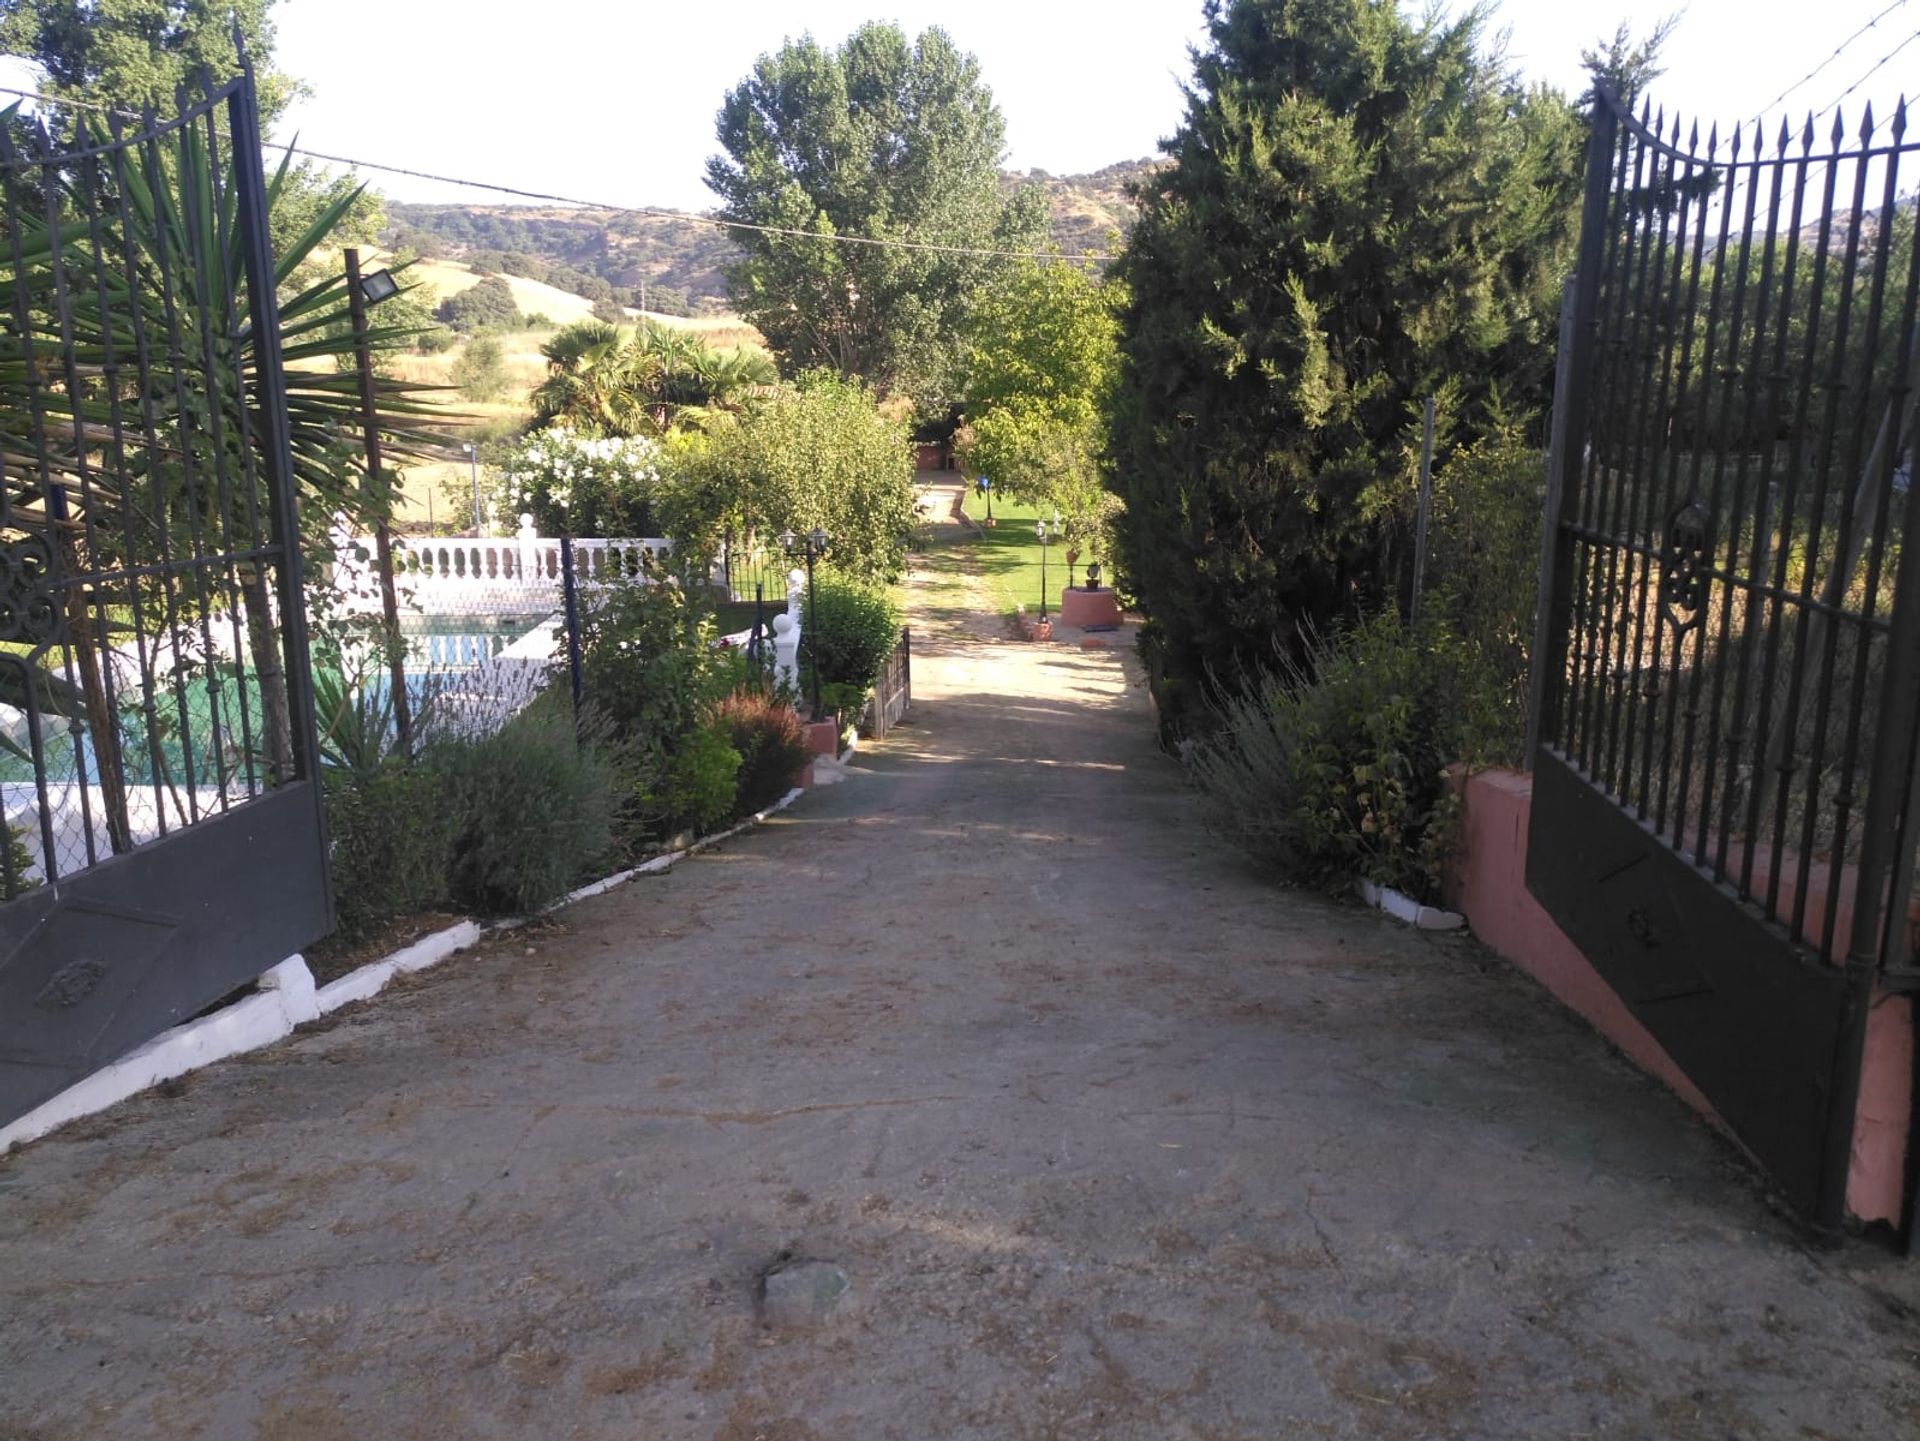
[(1831, 58), (1872, 70), (644, 211)]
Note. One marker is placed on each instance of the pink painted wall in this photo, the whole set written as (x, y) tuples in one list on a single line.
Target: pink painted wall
[(1490, 888)]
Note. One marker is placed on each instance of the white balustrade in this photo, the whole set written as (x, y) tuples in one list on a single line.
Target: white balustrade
[(460, 570)]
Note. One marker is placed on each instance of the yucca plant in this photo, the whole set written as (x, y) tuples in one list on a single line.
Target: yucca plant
[(130, 379)]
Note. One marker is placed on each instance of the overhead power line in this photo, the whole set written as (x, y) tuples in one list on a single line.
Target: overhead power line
[(1871, 71), (1838, 50), (644, 211)]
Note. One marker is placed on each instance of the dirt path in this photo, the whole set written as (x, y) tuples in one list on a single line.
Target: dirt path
[(1113, 1139)]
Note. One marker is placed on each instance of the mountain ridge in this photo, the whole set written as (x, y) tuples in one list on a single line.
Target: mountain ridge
[(681, 262)]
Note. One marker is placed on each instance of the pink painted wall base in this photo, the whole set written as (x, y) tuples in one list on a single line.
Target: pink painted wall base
[(1490, 886), (1082, 608)]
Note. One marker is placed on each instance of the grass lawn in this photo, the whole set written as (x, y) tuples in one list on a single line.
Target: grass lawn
[(1009, 554)]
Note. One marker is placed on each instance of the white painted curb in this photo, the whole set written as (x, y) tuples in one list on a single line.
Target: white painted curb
[(286, 999), (1403, 907)]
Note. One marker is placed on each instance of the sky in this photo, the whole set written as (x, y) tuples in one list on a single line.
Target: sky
[(615, 102)]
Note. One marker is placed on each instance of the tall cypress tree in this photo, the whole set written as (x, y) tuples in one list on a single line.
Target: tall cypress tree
[(1363, 210)]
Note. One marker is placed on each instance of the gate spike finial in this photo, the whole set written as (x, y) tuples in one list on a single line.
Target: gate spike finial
[(1866, 124), (1786, 137), (1740, 130), (1713, 140), (1693, 138), (1806, 136), (1839, 129), (1900, 120)]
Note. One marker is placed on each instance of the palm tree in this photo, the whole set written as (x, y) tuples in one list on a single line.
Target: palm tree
[(606, 381)]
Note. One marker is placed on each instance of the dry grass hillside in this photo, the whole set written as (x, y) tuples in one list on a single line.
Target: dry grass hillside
[(439, 494)]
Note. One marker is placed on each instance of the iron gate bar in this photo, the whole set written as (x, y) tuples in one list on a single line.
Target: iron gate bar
[(1714, 506), (157, 498)]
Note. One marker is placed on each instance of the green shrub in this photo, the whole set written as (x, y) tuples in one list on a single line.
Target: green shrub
[(392, 835), (849, 631), (1483, 569), (772, 747), (481, 370), (1339, 773), (692, 787), (650, 670), (20, 860), (648, 662), (534, 804)]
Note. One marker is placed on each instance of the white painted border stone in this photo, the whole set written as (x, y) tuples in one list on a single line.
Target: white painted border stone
[(285, 999), (1403, 907)]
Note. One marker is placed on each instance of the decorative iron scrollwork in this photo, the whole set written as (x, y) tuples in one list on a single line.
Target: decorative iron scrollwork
[(1683, 578), (29, 610)]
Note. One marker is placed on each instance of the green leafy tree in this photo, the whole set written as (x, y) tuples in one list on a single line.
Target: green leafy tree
[(818, 453), (1042, 358), (1363, 210), (881, 137), (487, 306), (134, 53)]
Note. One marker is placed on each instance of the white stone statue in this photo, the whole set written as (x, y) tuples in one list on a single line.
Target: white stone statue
[(786, 650)]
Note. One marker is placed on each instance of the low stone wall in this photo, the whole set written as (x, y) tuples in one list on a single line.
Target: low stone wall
[(1489, 886)]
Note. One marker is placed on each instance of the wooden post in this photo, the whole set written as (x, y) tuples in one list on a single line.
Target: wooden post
[(1426, 503), (382, 539)]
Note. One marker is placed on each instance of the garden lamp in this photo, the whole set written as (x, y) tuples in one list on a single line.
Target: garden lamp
[(1045, 535)]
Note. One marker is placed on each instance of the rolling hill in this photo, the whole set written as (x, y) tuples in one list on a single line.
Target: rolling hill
[(592, 255)]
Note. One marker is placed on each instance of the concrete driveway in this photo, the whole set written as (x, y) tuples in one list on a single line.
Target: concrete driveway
[(1111, 1138)]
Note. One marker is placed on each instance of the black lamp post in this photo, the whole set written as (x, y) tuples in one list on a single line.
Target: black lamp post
[(812, 545), (1046, 534)]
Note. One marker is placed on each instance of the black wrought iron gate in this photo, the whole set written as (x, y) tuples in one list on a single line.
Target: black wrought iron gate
[(164, 841), (1728, 689)]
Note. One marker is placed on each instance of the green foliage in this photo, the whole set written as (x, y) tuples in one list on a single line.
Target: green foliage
[(694, 791), (1043, 358), (1046, 334), (20, 858), (481, 369), (487, 306), (603, 380), (849, 631), (772, 747), (609, 312), (651, 672), (536, 811), (1483, 570), (1364, 209), (818, 454), (391, 827), (1339, 773), (879, 137), (133, 53)]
